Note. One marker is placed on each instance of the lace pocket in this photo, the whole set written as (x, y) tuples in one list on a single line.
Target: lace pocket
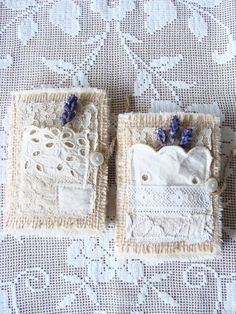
[(55, 153)]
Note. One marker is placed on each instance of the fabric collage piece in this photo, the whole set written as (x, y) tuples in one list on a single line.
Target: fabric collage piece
[(55, 183), (166, 206)]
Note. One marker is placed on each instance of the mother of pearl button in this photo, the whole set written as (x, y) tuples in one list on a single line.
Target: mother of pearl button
[(211, 185), (97, 159)]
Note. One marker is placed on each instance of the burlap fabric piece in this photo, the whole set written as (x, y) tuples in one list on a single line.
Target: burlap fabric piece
[(131, 128), (52, 186)]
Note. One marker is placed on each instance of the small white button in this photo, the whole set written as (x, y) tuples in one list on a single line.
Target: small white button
[(97, 159), (211, 185)]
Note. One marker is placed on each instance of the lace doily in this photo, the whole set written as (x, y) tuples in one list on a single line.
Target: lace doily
[(171, 55)]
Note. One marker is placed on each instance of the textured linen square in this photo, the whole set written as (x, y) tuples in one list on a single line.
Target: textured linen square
[(57, 175), (167, 204)]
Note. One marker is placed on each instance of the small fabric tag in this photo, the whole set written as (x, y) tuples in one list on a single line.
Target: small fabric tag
[(73, 199)]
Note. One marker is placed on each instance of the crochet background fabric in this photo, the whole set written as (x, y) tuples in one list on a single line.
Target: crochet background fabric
[(172, 55)]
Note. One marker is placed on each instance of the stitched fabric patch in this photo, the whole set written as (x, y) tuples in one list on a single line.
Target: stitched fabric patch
[(165, 203), (151, 199), (73, 199), (55, 182)]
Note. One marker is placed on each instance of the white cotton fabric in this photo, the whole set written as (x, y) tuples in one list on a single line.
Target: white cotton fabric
[(74, 198), (171, 165), (178, 58)]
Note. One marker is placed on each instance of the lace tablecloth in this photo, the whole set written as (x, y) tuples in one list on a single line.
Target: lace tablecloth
[(172, 55)]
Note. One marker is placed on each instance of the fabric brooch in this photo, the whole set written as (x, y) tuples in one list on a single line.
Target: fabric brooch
[(167, 179), (57, 164)]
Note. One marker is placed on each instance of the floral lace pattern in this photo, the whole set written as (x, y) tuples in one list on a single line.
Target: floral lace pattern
[(50, 150), (40, 114), (171, 55), (172, 199), (159, 228)]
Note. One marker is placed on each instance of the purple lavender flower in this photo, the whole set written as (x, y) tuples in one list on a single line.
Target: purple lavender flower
[(186, 137), (162, 136), (70, 107), (173, 128), (67, 106), (63, 117)]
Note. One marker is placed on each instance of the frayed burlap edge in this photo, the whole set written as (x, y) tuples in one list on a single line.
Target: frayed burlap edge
[(171, 250), (45, 226)]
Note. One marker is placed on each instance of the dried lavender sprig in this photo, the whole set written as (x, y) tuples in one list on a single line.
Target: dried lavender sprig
[(70, 107), (71, 103), (161, 136), (174, 128), (186, 137), (67, 116)]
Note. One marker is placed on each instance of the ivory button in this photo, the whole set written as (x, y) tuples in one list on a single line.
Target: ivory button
[(211, 185), (97, 159)]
